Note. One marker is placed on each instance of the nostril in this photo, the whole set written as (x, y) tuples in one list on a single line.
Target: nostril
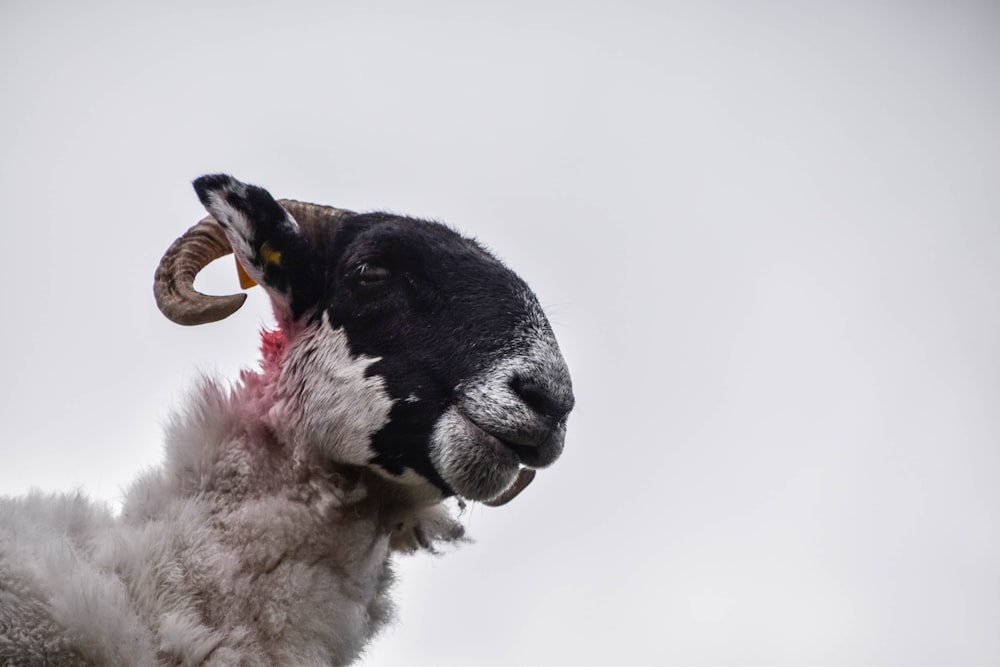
[(538, 398)]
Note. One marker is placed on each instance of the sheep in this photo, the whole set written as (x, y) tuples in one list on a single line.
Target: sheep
[(410, 370)]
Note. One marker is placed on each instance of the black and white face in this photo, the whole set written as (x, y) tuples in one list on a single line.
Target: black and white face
[(411, 349)]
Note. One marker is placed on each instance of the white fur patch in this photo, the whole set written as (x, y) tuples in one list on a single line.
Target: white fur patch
[(489, 399), (327, 405), (473, 463), (240, 230), (408, 477)]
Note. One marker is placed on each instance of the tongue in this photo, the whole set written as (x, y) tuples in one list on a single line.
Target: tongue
[(524, 477)]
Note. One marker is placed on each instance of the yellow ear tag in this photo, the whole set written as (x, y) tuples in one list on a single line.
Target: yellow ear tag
[(270, 255), (246, 282)]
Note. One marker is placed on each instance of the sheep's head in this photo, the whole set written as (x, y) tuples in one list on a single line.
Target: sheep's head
[(410, 348)]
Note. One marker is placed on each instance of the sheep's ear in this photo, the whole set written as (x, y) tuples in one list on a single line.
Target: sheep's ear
[(267, 241)]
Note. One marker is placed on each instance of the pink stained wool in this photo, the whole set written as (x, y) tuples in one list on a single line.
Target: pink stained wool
[(258, 390)]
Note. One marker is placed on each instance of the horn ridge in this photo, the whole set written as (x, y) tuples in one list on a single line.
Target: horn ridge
[(314, 218), (173, 284)]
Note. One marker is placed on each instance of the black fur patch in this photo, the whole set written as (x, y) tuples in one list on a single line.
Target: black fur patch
[(442, 315)]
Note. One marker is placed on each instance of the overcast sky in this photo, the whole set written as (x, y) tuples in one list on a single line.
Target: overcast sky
[(767, 235)]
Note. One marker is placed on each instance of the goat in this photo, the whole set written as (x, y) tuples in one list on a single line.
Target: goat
[(408, 366)]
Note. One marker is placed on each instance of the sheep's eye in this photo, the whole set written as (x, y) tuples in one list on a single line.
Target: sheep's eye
[(370, 274)]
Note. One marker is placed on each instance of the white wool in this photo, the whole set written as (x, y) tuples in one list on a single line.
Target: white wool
[(233, 551), (326, 400)]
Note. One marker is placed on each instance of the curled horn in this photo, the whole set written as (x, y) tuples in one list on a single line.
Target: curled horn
[(173, 285)]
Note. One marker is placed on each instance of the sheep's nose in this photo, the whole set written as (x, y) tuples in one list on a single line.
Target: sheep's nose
[(551, 401), (524, 407)]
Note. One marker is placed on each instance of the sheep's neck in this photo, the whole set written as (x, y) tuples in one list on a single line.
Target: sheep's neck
[(263, 554), (289, 554)]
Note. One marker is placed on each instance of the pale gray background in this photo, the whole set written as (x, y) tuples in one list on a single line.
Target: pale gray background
[(768, 236)]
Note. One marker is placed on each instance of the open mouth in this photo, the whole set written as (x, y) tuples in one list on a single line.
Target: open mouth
[(489, 454), (527, 455), (519, 457), (525, 476), (528, 452), (507, 450)]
